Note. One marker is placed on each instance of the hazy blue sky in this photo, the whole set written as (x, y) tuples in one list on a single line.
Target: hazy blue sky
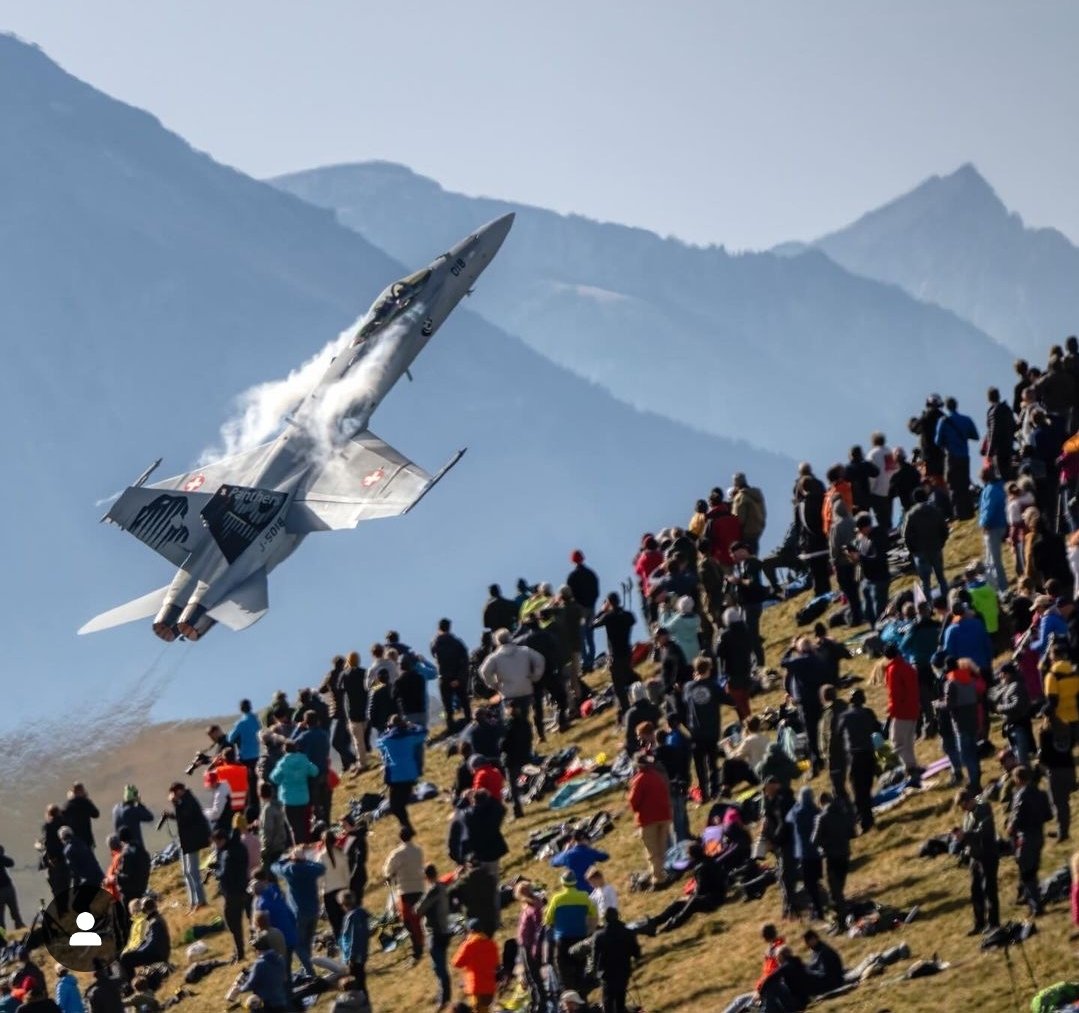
[(742, 123)]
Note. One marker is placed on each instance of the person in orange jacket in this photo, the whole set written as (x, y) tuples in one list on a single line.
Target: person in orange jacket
[(837, 486), (478, 958)]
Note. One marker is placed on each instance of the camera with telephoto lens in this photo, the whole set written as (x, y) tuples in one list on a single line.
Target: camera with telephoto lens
[(165, 817), (200, 760)]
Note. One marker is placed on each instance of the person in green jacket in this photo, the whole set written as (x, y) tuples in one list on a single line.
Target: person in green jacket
[(983, 597), (293, 775)]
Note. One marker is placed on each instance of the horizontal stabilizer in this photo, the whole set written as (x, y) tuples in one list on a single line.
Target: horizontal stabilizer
[(245, 605), (140, 608), (368, 479)]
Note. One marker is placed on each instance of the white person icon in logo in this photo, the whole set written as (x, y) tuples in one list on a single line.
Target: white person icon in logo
[(85, 936)]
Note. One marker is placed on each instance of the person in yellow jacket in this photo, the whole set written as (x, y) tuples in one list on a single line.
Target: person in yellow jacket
[(1062, 694)]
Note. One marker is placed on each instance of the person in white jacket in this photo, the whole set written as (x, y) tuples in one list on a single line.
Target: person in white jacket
[(512, 671)]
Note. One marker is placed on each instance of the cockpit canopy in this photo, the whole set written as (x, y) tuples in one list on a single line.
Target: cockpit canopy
[(392, 303)]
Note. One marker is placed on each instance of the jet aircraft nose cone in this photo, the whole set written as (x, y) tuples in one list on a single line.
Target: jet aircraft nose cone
[(493, 234)]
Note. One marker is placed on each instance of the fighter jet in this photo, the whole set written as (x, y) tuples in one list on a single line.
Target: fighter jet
[(227, 525)]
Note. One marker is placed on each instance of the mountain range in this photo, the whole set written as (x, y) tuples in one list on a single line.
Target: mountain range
[(952, 241), (142, 287), (760, 345)]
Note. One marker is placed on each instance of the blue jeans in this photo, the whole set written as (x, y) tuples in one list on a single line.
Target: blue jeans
[(193, 878), (928, 567), (305, 937), (994, 557), (679, 815), (588, 641), (875, 599), (1021, 738)]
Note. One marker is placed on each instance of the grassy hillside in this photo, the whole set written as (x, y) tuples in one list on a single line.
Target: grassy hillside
[(714, 957)]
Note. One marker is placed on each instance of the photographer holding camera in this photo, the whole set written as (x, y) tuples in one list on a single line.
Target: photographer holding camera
[(978, 842)]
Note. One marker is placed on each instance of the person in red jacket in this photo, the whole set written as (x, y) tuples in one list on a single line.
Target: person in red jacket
[(904, 706), (722, 529), (486, 775), (478, 958), (650, 803), (774, 943)]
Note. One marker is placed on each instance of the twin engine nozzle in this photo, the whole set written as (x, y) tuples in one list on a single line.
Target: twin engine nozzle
[(191, 623)]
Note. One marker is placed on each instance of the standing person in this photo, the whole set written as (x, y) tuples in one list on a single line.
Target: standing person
[(404, 870), (231, 869), (584, 584), (979, 841), (133, 869), (904, 707), (52, 851), (244, 737), (871, 555), (193, 830), (570, 916), (498, 613), (841, 535), (954, 432), (860, 473), (838, 488), (722, 529), (354, 937), (751, 594), (354, 692), (570, 617), (925, 428), (993, 520), (332, 692), (355, 848), (650, 802), (919, 644), (1056, 758), (409, 692), (512, 670), (734, 654), (614, 950), (313, 741), (451, 657), (905, 479), (1026, 827), (293, 776), (434, 908), (380, 705), (530, 937), (925, 531), (618, 622), (832, 835), (302, 876), (79, 812), (880, 500), (776, 833), (9, 900), (748, 506), (131, 813), (1014, 706), (402, 755), (478, 958), (858, 724), (516, 751), (702, 698), (335, 882), (812, 534), (803, 684), (961, 705), (833, 748), (802, 818), (999, 435), (275, 834)]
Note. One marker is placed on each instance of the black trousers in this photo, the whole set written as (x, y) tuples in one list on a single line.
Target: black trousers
[(1029, 857), (621, 677), (812, 869), (570, 969), (458, 693), (811, 719), (706, 764), (252, 799), (235, 906), (836, 870), (335, 914), (1061, 785), (847, 579), (400, 796), (680, 911), (863, 768), (957, 475), (983, 891), (614, 995), (736, 771), (837, 777)]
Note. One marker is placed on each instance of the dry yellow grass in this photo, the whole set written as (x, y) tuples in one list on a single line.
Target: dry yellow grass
[(714, 957)]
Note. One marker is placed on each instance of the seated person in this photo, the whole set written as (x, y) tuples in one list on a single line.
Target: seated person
[(786, 989), (709, 890), (743, 759), (824, 969)]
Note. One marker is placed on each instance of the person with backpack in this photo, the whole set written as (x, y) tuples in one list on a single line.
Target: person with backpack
[(1026, 827), (748, 506), (925, 531), (870, 553), (734, 655)]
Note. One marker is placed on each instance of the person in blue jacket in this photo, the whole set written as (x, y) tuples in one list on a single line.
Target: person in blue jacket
[(579, 857), (355, 939), (267, 977), (301, 875), (269, 898), (244, 735), (802, 818), (131, 813), (313, 741), (954, 433), (966, 637), (402, 753), (993, 520), (68, 997)]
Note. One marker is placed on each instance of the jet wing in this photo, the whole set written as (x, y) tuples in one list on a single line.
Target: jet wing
[(366, 480), (234, 470), (168, 522)]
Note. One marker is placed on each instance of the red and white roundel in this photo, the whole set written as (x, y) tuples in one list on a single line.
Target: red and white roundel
[(373, 478), (194, 483)]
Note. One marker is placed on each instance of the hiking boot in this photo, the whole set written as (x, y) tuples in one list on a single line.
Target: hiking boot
[(976, 930)]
